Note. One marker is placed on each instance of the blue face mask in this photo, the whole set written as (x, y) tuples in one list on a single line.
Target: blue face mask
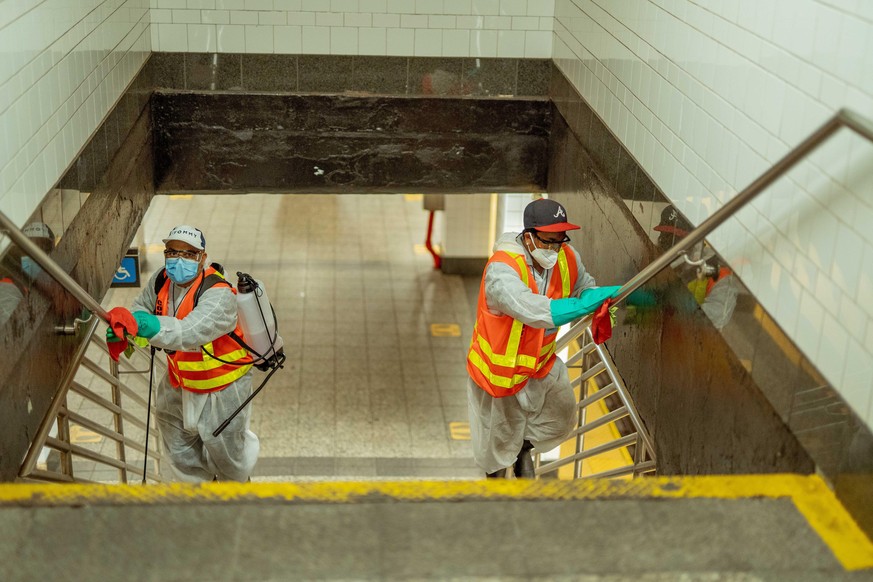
[(180, 270), (30, 267)]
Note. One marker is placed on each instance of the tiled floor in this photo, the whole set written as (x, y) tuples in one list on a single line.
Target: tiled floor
[(367, 391)]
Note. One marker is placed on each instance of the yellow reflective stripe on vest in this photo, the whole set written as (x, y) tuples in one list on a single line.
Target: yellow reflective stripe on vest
[(522, 265), (494, 379), (511, 358), (209, 363), (564, 269), (546, 353), (217, 382)]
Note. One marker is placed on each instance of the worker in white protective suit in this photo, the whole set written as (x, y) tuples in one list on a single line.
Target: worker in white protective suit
[(188, 310), (519, 392), (714, 286)]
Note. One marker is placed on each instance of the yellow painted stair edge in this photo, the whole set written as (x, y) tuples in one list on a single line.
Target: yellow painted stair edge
[(810, 494)]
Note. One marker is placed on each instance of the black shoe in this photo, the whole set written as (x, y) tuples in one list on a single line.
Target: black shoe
[(524, 465), (501, 474)]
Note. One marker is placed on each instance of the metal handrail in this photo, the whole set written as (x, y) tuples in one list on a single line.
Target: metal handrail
[(51, 416), (644, 456), (843, 118), (28, 467), (59, 407)]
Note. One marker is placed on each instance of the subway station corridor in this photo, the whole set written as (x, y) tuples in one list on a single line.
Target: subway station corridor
[(375, 337), (716, 156)]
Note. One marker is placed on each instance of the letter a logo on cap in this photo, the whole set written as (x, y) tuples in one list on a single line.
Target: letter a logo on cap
[(560, 212)]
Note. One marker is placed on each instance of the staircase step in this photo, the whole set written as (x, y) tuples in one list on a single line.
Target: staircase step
[(779, 527)]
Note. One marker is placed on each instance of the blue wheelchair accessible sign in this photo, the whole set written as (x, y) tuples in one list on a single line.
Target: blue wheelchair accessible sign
[(127, 274)]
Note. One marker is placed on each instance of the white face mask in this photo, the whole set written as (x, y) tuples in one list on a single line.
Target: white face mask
[(545, 257)]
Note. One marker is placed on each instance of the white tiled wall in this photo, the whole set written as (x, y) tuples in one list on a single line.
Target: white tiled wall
[(707, 94), (63, 64), (510, 212), (430, 28)]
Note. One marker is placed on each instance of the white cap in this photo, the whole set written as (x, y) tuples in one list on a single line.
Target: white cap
[(38, 230), (187, 234)]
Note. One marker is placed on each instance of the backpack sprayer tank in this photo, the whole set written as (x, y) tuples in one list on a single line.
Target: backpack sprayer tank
[(257, 321)]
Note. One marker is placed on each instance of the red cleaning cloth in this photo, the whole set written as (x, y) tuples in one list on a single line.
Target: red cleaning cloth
[(122, 322), (601, 323)]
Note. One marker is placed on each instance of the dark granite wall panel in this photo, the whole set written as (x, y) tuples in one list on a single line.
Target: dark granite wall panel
[(734, 398), (355, 74), (342, 143), (33, 358)]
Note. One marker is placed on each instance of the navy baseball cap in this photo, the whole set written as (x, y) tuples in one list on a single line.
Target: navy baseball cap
[(546, 215), (673, 223)]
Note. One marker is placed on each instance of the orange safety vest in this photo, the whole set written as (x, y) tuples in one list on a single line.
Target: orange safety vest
[(504, 353), (198, 371)]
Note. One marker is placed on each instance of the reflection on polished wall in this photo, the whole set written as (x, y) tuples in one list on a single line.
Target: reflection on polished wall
[(706, 96), (721, 386), (360, 74)]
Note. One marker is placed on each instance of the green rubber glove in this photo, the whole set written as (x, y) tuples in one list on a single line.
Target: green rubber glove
[(642, 298), (111, 337), (566, 310), (148, 325)]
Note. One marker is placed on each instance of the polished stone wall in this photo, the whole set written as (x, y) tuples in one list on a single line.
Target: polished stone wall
[(343, 143), (93, 214), (349, 123), (718, 396)]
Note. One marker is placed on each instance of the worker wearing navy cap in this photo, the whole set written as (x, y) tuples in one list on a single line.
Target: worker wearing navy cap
[(519, 392)]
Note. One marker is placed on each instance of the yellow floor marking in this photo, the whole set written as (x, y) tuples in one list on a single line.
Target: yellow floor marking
[(81, 435), (412, 197), (459, 431), (600, 436), (445, 330), (181, 196), (812, 497)]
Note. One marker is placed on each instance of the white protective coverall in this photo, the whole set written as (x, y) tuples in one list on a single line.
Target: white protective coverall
[(721, 300), (543, 412), (186, 418), (10, 297)]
